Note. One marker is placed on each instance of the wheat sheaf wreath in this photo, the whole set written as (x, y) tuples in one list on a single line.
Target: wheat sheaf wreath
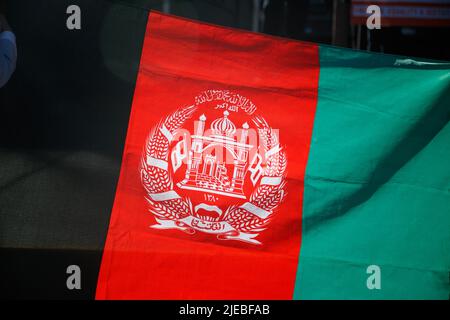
[(156, 179)]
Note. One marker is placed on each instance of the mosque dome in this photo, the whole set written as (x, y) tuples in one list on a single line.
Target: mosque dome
[(223, 126)]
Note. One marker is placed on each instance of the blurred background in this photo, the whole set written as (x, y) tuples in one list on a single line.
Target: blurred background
[(408, 27)]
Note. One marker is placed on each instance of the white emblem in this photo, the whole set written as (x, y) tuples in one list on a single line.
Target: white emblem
[(214, 174)]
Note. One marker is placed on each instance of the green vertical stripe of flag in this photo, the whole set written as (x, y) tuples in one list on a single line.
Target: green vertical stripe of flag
[(377, 184)]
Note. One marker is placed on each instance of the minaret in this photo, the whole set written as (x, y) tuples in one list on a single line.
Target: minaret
[(197, 146), (241, 154), (195, 155), (239, 163), (200, 125)]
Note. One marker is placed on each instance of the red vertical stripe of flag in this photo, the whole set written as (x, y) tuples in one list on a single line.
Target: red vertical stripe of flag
[(182, 59)]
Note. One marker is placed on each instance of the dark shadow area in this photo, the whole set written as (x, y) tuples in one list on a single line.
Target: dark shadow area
[(63, 95), (63, 121), (41, 273)]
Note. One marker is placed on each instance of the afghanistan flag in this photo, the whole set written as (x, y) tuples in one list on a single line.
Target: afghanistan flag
[(254, 167), (263, 168)]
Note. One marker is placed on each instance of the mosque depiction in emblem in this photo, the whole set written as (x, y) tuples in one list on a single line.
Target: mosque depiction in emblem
[(206, 171)]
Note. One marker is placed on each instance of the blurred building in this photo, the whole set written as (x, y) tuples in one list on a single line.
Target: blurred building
[(414, 28)]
